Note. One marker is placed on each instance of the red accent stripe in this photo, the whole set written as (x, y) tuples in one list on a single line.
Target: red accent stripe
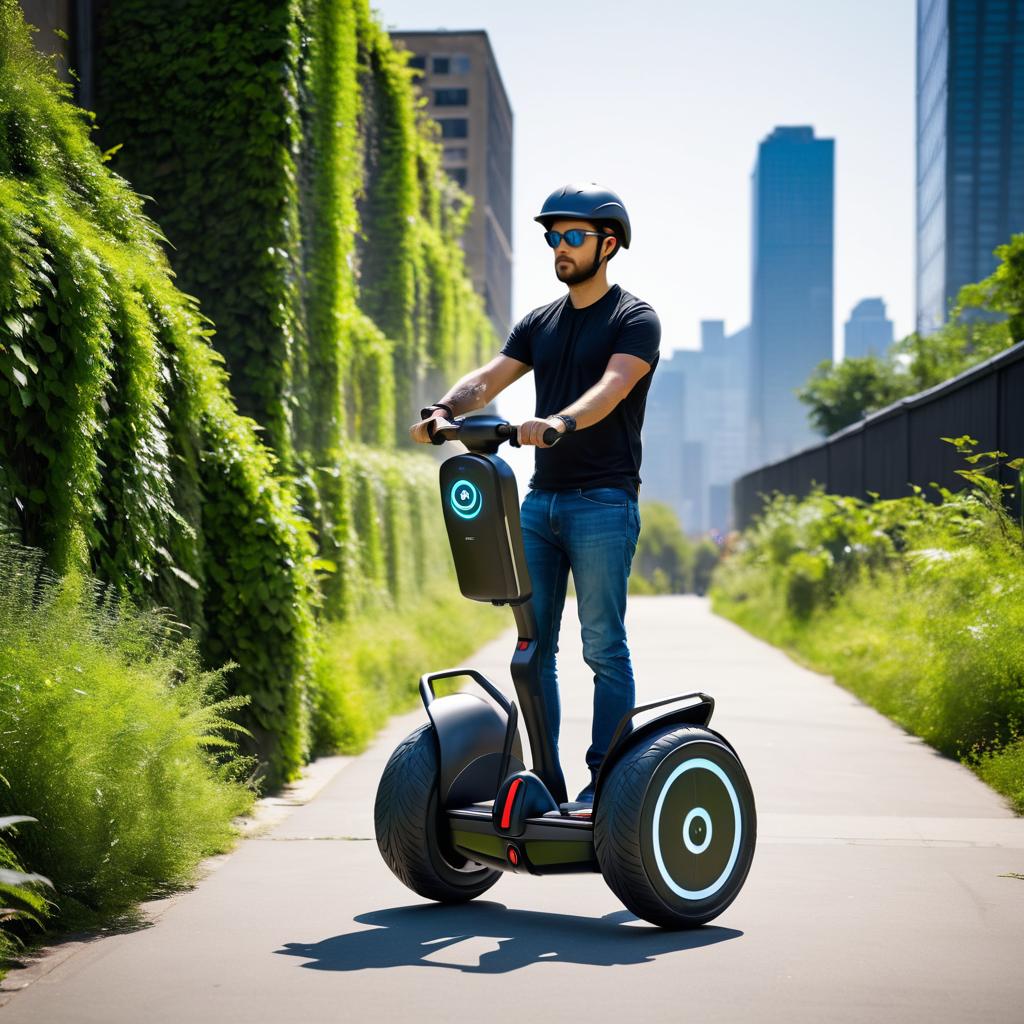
[(506, 814)]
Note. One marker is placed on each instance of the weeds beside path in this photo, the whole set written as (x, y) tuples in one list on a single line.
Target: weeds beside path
[(916, 607)]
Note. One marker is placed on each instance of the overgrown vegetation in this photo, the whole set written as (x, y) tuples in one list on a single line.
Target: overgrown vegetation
[(368, 670), (121, 453), (916, 607), (987, 318), (23, 903), (301, 186), (114, 739), (666, 560), (270, 154), (301, 189)]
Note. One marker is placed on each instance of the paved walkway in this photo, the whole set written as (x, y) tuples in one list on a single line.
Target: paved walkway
[(878, 891)]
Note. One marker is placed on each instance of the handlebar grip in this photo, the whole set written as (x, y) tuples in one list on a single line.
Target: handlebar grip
[(551, 436), (435, 437), (510, 431)]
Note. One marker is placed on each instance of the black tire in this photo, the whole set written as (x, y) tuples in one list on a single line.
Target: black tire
[(652, 827), (410, 829)]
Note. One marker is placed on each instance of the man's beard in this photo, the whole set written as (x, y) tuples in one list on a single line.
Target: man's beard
[(579, 275)]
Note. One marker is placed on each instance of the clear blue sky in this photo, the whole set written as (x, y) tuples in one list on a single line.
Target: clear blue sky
[(666, 102)]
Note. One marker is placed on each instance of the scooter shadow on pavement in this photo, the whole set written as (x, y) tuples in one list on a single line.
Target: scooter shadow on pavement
[(406, 936)]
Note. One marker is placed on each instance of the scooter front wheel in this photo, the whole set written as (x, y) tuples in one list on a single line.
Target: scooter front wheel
[(675, 827), (411, 831)]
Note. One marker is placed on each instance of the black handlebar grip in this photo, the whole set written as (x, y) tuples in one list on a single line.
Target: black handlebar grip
[(510, 431), (435, 437), (551, 436)]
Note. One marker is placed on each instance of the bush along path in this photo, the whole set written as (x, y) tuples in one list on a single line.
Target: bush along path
[(915, 606)]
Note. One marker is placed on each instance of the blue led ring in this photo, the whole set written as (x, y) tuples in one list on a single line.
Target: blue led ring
[(465, 499)]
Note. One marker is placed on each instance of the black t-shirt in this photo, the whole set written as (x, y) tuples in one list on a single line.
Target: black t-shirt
[(569, 350)]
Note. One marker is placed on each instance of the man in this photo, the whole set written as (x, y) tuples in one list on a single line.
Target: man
[(593, 352)]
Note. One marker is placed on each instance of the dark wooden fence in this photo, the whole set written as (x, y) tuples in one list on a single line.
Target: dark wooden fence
[(900, 445)]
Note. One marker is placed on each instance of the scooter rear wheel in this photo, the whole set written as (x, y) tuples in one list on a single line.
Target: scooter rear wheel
[(675, 827), (411, 830)]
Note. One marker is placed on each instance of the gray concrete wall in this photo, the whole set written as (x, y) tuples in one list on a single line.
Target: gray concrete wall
[(48, 16)]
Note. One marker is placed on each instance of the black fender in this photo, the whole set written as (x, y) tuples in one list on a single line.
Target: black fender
[(470, 734), (626, 734)]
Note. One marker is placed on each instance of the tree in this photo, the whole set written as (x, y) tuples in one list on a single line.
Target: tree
[(840, 394), (664, 556), (987, 318)]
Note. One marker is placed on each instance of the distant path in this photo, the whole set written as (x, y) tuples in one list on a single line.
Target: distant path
[(875, 893)]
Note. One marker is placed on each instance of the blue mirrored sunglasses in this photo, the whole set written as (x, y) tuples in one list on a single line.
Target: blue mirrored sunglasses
[(573, 237)]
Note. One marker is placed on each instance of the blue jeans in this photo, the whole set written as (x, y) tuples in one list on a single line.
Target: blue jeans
[(593, 532)]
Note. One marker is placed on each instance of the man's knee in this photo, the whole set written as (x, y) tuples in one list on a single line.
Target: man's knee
[(605, 649)]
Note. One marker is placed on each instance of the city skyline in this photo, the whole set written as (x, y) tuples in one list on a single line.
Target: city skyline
[(693, 100)]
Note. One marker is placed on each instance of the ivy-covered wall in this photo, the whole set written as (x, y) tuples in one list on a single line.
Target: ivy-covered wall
[(121, 450), (267, 134), (295, 173)]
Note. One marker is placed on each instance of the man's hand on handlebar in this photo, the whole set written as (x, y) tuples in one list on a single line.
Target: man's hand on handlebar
[(418, 431), (532, 431)]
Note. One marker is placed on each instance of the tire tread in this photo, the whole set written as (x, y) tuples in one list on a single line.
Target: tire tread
[(401, 816)]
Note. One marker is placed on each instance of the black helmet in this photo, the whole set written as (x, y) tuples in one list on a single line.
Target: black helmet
[(587, 202)]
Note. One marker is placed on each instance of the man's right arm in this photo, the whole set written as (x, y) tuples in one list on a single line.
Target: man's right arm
[(474, 391)]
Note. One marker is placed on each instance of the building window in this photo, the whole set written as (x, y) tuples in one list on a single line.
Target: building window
[(441, 66), (454, 127), (458, 175), (420, 63), (460, 64), (456, 153), (451, 97)]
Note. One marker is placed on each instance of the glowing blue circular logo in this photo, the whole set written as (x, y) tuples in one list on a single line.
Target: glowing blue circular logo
[(465, 499)]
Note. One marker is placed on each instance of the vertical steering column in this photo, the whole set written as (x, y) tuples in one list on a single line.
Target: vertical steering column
[(526, 677)]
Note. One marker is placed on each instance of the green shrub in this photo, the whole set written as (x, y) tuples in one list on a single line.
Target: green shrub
[(113, 738), (917, 607), (22, 899)]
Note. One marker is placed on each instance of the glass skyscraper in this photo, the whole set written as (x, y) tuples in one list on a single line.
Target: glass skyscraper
[(791, 301), (970, 144), (868, 331)]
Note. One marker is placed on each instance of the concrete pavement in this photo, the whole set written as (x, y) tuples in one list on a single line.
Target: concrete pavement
[(879, 890)]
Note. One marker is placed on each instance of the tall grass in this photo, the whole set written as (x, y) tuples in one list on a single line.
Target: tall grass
[(113, 737), (916, 607), (368, 669)]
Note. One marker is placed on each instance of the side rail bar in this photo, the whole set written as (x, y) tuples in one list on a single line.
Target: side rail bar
[(427, 686), (627, 719)]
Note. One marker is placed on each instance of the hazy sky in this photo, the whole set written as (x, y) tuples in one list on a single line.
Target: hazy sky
[(666, 102)]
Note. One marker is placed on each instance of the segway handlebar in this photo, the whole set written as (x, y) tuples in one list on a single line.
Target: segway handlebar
[(481, 431)]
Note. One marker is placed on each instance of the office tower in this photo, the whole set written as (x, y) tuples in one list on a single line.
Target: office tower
[(868, 331), (970, 144), (696, 428), (465, 95), (791, 301)]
